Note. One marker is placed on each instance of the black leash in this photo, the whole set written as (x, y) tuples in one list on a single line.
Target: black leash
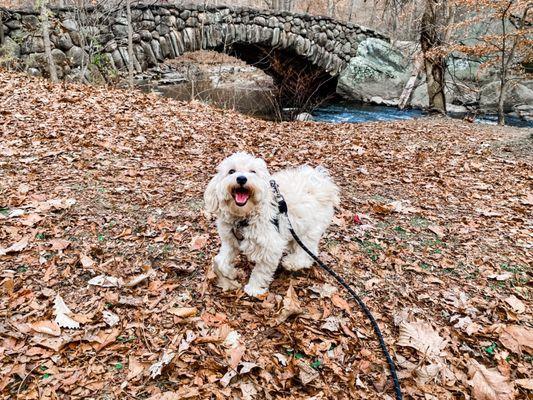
[(282, 205)]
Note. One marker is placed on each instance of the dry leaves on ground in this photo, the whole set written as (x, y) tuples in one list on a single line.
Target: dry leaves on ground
[(105, 256)]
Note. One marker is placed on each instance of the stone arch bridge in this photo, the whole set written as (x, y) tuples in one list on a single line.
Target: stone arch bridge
[(281, 43)]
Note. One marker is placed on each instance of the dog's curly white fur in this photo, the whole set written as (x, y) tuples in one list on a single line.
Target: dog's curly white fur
[(240, 191)]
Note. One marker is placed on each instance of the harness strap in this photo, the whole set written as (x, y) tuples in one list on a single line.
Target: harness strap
[(237, 229)]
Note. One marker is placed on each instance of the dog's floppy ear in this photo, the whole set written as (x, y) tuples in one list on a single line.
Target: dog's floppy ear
[(210, 195)]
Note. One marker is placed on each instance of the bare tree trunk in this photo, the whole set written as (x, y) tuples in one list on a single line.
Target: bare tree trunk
[(410, 23), (435, 64), (503, 72), (351, 10), (331, 8), (1, 28), (501, 100), (288, 5), (277, 4), (408, 89), (507, 59), (130, 44), (45, 24)]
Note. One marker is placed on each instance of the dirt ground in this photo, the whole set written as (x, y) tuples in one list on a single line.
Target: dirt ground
[(105, 256)]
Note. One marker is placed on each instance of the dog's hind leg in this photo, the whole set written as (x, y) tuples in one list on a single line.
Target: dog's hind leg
[(297, 258)]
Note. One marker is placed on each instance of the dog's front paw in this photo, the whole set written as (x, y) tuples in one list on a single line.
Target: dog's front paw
[(255, 291)]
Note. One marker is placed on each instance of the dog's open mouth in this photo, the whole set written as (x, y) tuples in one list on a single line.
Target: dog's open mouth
[(241, 196)]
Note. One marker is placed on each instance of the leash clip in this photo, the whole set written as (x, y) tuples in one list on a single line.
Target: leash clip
[(282, 205)]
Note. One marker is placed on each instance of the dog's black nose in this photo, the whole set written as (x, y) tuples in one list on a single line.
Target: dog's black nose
[(241, 180)]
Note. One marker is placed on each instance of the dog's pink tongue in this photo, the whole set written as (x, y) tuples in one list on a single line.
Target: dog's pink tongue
[(241, 197)]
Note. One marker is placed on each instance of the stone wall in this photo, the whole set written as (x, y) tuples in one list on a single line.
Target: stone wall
[(92, 41)]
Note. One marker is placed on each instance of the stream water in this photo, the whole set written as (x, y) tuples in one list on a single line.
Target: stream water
[(261, 103)]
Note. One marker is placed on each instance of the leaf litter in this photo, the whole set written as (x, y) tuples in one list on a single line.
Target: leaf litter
[(440, 252)]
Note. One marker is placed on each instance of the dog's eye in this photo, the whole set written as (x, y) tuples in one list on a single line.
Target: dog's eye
[(252, 171), (231, 171)]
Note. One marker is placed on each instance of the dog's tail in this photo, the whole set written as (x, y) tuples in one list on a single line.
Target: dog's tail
[(329, 191)]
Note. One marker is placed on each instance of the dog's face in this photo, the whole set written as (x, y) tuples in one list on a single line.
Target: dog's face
[(240, 185)]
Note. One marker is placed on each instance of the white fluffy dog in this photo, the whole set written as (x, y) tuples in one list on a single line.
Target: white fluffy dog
[(249, 221)]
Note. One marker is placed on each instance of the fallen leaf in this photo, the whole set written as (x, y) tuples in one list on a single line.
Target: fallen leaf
[(110, 318), (232, 339), (86, 261), (228, 376), (324, 291), (64, 321), (15, 213), (517, 339), (501, 277), (140, 278), (489, 384), (248, 390), (332, 324), (49, 327), (525, 383), (518, 306), (198, 242), (185, 343), (183, 312), (59, 244), (63, 314), (16, 247), (156, 368), (135, 368), (467, 325), (399, 206), (291, 306), (528, 200), (339, 302), (24, 188), (421, 336), (235, 355), (488, 212), (105, 281), (245, 367), (437, 230), (307, 374), (281, 358)]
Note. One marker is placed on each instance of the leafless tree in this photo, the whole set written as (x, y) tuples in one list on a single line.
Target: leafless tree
[(130, 44), (45, 26), (508, 50)]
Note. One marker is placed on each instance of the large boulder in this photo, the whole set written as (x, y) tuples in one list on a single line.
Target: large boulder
[(77, 56), (378, 70), (10, 49), (64, 42), (517, 95)]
